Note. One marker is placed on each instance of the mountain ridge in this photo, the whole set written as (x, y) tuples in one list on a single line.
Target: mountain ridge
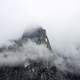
[(36, 70)]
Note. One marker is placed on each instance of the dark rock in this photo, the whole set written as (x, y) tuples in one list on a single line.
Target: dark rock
[(38, 36), (34, 71)]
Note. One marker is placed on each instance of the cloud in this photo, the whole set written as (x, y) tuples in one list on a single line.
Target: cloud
[(28, 52), (60, 18)]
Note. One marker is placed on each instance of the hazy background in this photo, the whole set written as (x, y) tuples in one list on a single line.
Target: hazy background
[(61, 18)]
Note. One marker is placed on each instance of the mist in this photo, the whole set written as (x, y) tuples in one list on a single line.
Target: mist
[(29, 51), (59, 17)]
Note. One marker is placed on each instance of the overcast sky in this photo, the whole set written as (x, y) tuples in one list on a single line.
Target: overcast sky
[(61, 18)]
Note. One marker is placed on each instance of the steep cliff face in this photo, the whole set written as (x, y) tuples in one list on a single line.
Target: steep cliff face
[(37, 35), (35, 70)]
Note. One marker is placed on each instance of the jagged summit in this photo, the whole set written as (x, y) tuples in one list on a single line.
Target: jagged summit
[(37, 35), (35, 70)]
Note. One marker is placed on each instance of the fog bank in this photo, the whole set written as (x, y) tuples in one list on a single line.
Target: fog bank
[(61, 19)]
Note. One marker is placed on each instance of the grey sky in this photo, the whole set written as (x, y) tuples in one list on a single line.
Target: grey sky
[(61, 18)]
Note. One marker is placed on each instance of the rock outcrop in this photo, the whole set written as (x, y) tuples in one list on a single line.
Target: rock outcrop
[(37, 36), (34, 71)]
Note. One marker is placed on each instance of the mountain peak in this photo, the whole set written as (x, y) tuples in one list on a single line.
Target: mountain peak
[(38, 36)]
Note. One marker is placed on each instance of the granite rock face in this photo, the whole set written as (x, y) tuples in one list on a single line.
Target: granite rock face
[(34, 71), (37, 36)]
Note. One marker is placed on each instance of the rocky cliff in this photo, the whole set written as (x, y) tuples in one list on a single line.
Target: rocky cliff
[(37, 35), (34, 71)]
